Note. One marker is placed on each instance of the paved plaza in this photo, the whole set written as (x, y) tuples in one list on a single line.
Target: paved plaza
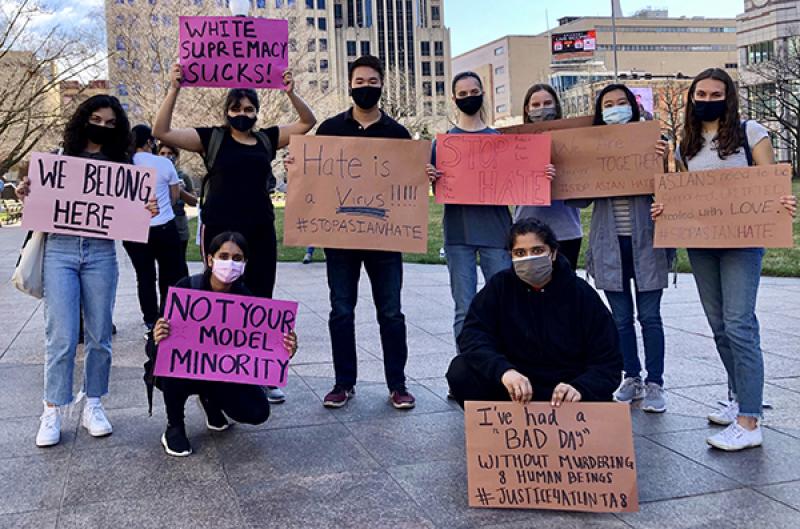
[(367, 465)]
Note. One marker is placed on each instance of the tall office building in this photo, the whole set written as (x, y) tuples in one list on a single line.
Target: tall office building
[(409, 36)]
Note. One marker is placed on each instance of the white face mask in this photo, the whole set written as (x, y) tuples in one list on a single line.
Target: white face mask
[(227, 270), (617, 115), (535, 269)]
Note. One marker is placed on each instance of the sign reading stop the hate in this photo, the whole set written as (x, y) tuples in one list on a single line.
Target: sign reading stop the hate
[(233, 52), (226, 338), (578, 457)]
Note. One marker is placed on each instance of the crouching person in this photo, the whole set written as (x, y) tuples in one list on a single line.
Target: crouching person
[(536, 331), (243, 403)]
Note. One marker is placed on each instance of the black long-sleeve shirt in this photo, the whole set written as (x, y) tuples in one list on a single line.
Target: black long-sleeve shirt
[(561, 333)]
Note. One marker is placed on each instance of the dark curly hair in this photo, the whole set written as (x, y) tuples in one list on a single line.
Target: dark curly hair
[(598, 105), (540, 87), (76, 139), (535, 226), (729, 134)]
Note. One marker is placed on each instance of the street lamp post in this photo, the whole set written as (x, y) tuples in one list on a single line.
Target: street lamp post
[(614, 39)]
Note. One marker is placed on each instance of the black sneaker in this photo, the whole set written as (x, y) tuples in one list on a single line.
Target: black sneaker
[(215, 419), (175, 441)]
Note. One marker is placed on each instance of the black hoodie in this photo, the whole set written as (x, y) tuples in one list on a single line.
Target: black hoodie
[(561, 333)]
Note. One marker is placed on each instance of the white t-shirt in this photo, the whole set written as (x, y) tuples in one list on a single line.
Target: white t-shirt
[(708, 158), (166, 175)]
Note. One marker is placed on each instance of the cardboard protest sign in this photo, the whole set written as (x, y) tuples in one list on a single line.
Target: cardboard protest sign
[(233, 52), (578, 457), (88, 197), (363, 193), (725, 208), (605, 161), (493, 169), (547, 126), (225, 337)]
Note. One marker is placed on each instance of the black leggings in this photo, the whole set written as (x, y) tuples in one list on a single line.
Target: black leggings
[(242, 403), (259, 274)]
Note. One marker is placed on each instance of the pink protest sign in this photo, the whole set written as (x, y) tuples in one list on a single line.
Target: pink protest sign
[(88, 197), (234, 52), (226, 338), (493, 169)]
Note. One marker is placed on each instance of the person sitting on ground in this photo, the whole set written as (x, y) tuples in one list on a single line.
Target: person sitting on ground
[(536, 331), (244, 403)]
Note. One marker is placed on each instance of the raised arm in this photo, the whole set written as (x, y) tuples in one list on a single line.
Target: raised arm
[(162, 129), (307, 119)]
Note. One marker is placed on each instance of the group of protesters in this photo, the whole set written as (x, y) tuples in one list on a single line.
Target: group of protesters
[(536, 331)]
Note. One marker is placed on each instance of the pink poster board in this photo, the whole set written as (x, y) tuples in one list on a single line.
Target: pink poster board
[(233, 52), (226, 338), (493, 169), (88, 197)]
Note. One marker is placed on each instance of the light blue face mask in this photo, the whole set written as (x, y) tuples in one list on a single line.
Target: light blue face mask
[(617, 115)]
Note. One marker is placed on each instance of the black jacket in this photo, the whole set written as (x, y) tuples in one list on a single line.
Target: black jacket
[(562, 333)]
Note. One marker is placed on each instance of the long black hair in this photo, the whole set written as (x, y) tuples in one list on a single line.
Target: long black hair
[(227, 236), (76, 139), (235, 95), (598, 104), (729, 133), (540, 87), (535, 226)]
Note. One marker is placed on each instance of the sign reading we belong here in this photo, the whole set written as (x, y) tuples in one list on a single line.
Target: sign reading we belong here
[(88, 197), (233, 52)]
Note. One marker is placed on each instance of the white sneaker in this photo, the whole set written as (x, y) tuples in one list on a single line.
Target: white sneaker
[(725, 415), (735, 437), (275, 395), (94, 419), (49, 433)]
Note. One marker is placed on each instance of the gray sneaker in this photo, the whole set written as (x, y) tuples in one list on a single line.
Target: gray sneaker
[(631, 389), (655, 399)]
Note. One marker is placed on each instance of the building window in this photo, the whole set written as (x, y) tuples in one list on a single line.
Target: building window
[(436, 14), (439, 88), (309, 21), (731, 65), (166, 20), (760, 52), (309, 4), (261, 4), (426, 88), (122, 64), (320, 4), (500, 70), (500, 89), (312, 67), (338, 17), (439, 48), (323, 44), (323, 65), (440, 108), (322, 23), (426, 68), (425, 48), (121, 43), (312, 45), (364, 47), (122, 89), (427, 108), (198, 2), (499, 50), (351, 48), (325, 85), (291, 3), (312, 83), (501, 109), (439, 68)]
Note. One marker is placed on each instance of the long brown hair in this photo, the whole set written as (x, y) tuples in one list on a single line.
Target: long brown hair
[(729, 134), (539, 87)]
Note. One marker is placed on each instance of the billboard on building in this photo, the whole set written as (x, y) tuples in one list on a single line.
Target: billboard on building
[(575, 45)]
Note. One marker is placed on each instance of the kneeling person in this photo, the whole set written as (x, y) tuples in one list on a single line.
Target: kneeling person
[(244, 403), (537, 331)]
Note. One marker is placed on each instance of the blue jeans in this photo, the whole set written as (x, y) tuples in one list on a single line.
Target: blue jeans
[(648, 308), (727, 281), (78, 272), (462, 262), (385, 271)]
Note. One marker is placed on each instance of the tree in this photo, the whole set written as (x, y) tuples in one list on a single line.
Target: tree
[(37, 54), (671, 108)]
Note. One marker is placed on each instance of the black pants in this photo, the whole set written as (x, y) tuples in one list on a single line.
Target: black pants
[(163, 247), (571, 249), (469, 383), (242, 403), (259, 274), (385, 271)]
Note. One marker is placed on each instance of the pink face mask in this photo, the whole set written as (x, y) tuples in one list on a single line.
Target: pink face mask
[(228, 270)]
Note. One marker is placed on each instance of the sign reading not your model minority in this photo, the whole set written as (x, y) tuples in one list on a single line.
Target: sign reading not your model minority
[(88, 197), (233, 52), (226, 338)]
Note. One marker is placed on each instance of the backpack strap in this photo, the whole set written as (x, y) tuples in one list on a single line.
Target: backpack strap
[(217, 135), (746, 144), (196, 281)]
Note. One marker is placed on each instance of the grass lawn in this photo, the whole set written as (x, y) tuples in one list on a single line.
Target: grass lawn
[(777, 262)]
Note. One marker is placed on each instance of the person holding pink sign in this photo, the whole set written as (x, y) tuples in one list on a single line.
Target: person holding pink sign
[(80, 274), (226, 261)]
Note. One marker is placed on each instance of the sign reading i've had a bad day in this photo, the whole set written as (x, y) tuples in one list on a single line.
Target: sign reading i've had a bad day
[(233, 52), (578, 457), (88, 197), (225, 337)]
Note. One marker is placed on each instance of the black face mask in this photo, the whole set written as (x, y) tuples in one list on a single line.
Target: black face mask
[(98, 134), (242, 123), (709, 110), (470, 105), (366, 97)]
